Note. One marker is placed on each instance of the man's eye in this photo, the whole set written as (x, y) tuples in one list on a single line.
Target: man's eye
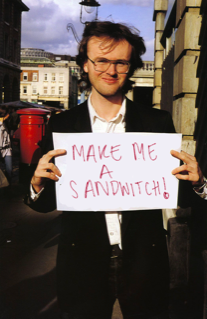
[(102, 61), (121, 63)]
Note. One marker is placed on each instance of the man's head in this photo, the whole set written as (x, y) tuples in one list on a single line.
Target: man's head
[(110, 35)]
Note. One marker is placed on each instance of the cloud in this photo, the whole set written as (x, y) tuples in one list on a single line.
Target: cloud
[(138, 3), (44, 26), (67, 8)]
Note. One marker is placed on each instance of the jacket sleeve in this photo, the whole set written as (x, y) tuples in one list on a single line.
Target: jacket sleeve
[(47, 199)]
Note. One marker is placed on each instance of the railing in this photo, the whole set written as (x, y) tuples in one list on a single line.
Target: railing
[(148, 66), (146, 71)]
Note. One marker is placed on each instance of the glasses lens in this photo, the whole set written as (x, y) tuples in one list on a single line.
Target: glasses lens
[(122, 67), (101, 65)]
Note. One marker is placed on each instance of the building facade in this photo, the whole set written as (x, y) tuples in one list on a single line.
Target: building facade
[(177, 51), (47, 79), (10, 39), (45, 85), (180, 88)]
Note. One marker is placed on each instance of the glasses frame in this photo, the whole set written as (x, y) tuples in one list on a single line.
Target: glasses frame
[(110, 62)]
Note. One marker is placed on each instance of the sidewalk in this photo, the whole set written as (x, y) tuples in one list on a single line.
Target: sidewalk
[(28, 247)]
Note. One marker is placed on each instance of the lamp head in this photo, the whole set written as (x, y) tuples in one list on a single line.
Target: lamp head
[(89, 6), (89, 3)]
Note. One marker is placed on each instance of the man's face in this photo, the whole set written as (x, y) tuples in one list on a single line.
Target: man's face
[(108, 83)]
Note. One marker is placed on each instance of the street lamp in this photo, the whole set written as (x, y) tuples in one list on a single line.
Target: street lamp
[(89, 6)]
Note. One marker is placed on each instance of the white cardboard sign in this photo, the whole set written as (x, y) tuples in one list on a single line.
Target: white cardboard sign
[(116, 172)]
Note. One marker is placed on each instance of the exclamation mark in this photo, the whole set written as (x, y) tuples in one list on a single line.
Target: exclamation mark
[(165, 194)]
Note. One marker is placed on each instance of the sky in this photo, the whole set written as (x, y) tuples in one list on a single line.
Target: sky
[(44, 26)]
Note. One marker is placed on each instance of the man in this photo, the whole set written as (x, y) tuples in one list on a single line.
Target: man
[(107, 255)]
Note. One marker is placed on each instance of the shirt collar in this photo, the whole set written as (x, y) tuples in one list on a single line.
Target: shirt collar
[(94, 115)]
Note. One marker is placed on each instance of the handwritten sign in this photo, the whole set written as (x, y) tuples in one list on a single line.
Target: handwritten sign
[(116, 172)]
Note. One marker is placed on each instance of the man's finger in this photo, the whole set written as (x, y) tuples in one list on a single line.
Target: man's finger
[(179, 169), (47, 167), (54, 153), (185, 157)]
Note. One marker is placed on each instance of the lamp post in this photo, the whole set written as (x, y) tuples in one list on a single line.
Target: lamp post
[(89, 6)]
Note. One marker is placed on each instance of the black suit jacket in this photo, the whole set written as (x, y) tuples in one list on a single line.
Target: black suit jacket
[(84, 249)]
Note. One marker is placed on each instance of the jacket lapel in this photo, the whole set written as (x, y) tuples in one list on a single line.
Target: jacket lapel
[(82, 122), (133, 118)]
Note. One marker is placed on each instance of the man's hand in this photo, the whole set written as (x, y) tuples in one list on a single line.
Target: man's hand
[(190, 170), (46, 170)]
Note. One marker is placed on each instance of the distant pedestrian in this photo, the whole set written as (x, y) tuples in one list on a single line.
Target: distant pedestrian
[(5, 142)]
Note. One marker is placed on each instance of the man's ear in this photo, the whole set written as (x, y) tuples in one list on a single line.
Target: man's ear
[(85, 67)]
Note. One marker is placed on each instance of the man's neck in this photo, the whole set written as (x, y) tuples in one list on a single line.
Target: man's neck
[(106, 107)]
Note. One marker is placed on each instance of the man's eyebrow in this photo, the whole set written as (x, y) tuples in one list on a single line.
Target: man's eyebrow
[(121, 60), (118, 60)]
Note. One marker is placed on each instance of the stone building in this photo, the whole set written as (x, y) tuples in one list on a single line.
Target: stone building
[(10, 39), (177, 51), (200, 133), (180, 88)]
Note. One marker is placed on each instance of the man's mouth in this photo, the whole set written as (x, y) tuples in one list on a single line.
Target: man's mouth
[(110, 80)]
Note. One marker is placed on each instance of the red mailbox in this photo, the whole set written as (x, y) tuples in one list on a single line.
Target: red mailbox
[(32, 130)]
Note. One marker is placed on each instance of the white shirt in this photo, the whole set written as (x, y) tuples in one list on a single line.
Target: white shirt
[(115, 125)]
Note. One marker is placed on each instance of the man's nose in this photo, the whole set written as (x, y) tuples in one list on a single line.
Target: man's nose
[(112, 69)]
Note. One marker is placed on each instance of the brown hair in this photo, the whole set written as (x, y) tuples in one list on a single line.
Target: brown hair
[(114, 32)]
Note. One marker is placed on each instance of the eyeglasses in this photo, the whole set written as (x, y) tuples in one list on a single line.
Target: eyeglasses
[(102, 65)]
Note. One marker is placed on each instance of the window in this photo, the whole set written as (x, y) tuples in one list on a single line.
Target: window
[(60, 89), (45, 77), (34, 77), (6, 46), (7, 12), (52, 90), (24, 89), (61, 77), (53, 77), (17, 16), (45, 90), (34, 90), (15, 51), (25, 76)]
